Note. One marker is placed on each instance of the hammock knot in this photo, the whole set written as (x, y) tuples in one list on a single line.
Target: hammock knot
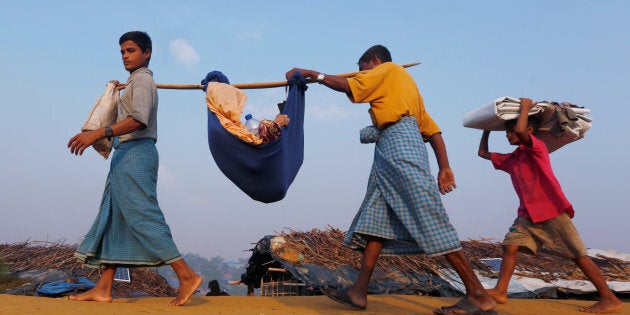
[(299, 80), (214, 76)]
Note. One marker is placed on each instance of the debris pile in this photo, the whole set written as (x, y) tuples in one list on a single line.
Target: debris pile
[(57, 258), (324, 250)]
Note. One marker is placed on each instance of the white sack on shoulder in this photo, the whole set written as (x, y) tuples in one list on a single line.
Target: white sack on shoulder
[(103, 113)]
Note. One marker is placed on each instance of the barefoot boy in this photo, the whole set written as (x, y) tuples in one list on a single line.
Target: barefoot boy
[(544, 213), (130, 229)]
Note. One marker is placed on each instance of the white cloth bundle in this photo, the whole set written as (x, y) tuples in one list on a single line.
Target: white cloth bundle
[(103, 113), (560, 123)]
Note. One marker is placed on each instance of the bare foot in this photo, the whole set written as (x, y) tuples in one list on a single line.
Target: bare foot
[(186, 290), (468, 305), (603, 307), (500, 298), (482, 299), (357, 298), (94, 294)]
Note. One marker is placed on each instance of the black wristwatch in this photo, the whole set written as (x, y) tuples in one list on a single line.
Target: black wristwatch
[(109, 133)]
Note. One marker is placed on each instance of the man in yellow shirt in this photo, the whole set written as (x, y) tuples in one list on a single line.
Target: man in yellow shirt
[(402, 212)]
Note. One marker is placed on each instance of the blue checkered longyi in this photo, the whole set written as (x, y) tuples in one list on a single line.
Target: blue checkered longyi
[(130, 228), (402, 204)]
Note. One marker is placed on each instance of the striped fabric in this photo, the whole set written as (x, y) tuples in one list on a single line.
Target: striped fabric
[(402, 204), (130, 228)]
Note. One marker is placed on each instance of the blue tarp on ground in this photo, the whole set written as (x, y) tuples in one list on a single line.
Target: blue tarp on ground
[(58, 287)]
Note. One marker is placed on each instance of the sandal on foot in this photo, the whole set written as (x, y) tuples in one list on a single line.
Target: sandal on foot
[(341, 296), (465, 305)]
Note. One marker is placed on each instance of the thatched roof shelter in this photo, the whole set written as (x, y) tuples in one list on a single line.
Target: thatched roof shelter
[(310, 255)]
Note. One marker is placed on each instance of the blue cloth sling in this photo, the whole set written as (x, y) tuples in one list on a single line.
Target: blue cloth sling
[(263, 172)]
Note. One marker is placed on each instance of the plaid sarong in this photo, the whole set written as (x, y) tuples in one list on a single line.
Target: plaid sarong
[(130, 228), (402, 204)]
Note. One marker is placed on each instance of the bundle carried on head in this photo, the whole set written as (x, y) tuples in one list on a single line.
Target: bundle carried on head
[(560, 123)]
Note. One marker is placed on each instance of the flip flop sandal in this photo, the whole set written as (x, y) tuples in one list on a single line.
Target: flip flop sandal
[(341, 296)]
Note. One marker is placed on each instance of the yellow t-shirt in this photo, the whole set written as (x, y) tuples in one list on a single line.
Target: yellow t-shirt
[(392, 94)]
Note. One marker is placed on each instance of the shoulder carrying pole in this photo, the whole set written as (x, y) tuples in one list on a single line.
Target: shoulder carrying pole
[(258, 85)]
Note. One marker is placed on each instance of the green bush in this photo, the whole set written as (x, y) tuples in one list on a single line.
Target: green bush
[(4, 270), (7, 280)]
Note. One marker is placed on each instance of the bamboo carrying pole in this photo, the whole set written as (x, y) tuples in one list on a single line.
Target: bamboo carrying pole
[(258, 85)]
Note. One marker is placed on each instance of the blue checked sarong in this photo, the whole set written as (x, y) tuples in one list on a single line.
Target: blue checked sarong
[(402, 204), (130, 228)]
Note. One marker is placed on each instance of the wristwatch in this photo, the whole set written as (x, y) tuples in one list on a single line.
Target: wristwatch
[(109, 133), (321, 77)]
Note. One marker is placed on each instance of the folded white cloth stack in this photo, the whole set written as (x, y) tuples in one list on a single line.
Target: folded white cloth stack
[(560, 123)]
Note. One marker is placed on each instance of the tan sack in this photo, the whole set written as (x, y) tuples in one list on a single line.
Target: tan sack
[(103, 113)]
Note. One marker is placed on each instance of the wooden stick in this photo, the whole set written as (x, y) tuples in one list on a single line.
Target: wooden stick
[(258, 85)]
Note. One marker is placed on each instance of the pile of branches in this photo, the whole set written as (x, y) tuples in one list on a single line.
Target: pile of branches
[(325, 248), (48, 256)]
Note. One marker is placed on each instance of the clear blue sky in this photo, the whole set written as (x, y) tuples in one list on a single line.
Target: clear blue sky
[(57, 57)]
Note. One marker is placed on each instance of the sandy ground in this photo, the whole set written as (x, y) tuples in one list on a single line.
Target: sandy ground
[(378, 304)]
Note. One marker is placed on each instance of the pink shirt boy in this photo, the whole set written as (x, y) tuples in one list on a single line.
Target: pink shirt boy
[(541, 197)]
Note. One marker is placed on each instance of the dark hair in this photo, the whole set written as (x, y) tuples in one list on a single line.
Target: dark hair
[(141, 39), (380, 51), (531, 121)]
